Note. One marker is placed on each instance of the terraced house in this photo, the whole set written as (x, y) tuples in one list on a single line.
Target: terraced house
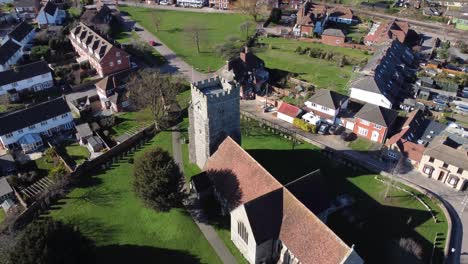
[(101, 54), (35, 76)]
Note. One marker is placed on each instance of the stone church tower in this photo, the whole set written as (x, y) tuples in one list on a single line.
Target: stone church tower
[(214, 114)]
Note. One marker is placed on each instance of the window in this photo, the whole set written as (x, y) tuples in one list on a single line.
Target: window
[(9, 135), (32, 127), (364, 122), (111, 64), (362, 131), (14, 84), (431, 159), (378, 126), (20, 131), (43, 123), (428, 170), (445, 165), (119, 61), (118, 55), (55, 118), (242, 231), (460, 171), (324, 108), (64, 115)]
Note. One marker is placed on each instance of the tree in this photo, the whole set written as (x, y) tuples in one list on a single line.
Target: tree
[(196, 33), (157, 179), (40, 52), (245, 29), (156, 91), (156, 20), (52, 242), (251, 7)]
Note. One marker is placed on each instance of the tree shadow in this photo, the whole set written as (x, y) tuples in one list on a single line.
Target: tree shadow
[(98, 196), (93, 228), (123, 254)]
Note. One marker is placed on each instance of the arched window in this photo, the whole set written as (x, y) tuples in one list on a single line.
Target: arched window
[(242, 231)]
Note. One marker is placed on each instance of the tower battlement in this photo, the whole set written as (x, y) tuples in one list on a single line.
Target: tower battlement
[(214, 88)]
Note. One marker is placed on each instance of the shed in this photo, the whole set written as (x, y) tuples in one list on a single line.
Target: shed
[(95, 144), (6, 192)]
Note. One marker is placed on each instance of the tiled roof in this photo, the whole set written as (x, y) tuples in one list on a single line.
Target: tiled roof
[(289, 110), (377, 115), (333, 32), (412, 150), (390, 30), (328, 98), (32, 115), (7, 50), (21, 31), (24, 72), (440, 151)]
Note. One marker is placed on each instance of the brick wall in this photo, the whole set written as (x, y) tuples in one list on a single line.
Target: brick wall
[(333, 40), (370, 130)]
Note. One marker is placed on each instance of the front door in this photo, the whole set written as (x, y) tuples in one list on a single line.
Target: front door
[(441, 176), (375, 136)]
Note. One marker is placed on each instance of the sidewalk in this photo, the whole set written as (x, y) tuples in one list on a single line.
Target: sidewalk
[(192, 207)]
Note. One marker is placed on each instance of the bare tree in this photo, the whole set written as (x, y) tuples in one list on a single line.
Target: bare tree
[(196, 33), (395, 171), (245, 29), (156, 91), (156, 20), (251, 7)]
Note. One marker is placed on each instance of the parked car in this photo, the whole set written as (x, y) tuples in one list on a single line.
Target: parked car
[(334, 129), (323, 129), (152, 43), (348, 136)]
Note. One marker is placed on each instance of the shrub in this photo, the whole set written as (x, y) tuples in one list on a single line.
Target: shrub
[(303, 125), (39, 52), (298, 49), (58, 172)]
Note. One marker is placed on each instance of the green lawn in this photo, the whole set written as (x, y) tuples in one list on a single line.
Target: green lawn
[(77, 152), (2, 215), (361, 144), (43, 166), (321, 73), (107, 210), (216, 27), (125, 37), (9, 107), (129, 121)]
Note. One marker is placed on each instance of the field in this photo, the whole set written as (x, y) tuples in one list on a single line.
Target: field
[(107, 210), (129, 121), (385, 219), (173, 33), (279, 54)]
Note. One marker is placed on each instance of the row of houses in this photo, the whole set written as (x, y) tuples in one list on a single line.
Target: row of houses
[(14, 44)]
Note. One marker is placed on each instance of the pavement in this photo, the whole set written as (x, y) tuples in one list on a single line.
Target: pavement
[(197, 214)]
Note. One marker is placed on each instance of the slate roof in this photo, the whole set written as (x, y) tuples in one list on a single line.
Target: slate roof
[(49, 8), (440, 151), (289, 110), (32, 115), (328, 98), (21, 31), (84, 130), (24, 72), (7, 50), (5, 187), (377, 115), (24, 3), (333, 32)]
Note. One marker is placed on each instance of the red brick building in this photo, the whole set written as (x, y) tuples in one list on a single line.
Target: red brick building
[(391, 30), (101, 54), (333, 37), (373, 122)]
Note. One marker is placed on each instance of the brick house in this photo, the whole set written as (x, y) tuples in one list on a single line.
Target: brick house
[(309, 19), (327, 105), (447, 162), (101, 54), (386, 31), (333, 37), (374, 122)]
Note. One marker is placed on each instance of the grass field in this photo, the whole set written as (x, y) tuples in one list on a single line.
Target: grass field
[(78, 153), (321, 73), (361, 144), (130, 120), (172, 32), (2, 216), (107, 210)]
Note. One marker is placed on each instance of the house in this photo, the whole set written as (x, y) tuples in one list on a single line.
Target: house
[(94, 144), (333, 37), (310, 19), (26, 9), (220, 4), (23, 129), (269, 224), (327, 105), (83, 132), (191, 3), (248, 71), (10, 54), (50, 14), (6, 192), (341, 14), (287, 112), (101, 54), (7, 165), (386, 31), (100, 17), (22, 34), (447, 162), (382, 79), (373, 122), (35, 76), (112, 93)]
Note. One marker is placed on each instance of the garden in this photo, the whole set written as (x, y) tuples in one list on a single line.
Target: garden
[(173, 26)]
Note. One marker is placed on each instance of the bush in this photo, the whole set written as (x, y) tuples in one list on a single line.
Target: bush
[(58, 172), (303, 125), (40, 52), (298, 50), (275, 15)]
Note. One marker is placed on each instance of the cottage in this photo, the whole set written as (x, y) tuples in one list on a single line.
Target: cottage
[(269, 223), (392, 30), (287, 112), (7, 165), (6, 192), (101, 54), (50, 14), (23, 129), (333, 37), (447, 162), (34, 77), (374, 122), (327, 105)]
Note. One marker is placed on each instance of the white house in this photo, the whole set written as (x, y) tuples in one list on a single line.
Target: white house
[(287, 112), (50, 14), (35, 76), (327, 105), (367, 89), (26, 9), (191, 3), (24, 129), (10, 54)]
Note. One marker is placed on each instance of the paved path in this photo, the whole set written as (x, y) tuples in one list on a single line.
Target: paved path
[(174, 65), (208, 231)]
